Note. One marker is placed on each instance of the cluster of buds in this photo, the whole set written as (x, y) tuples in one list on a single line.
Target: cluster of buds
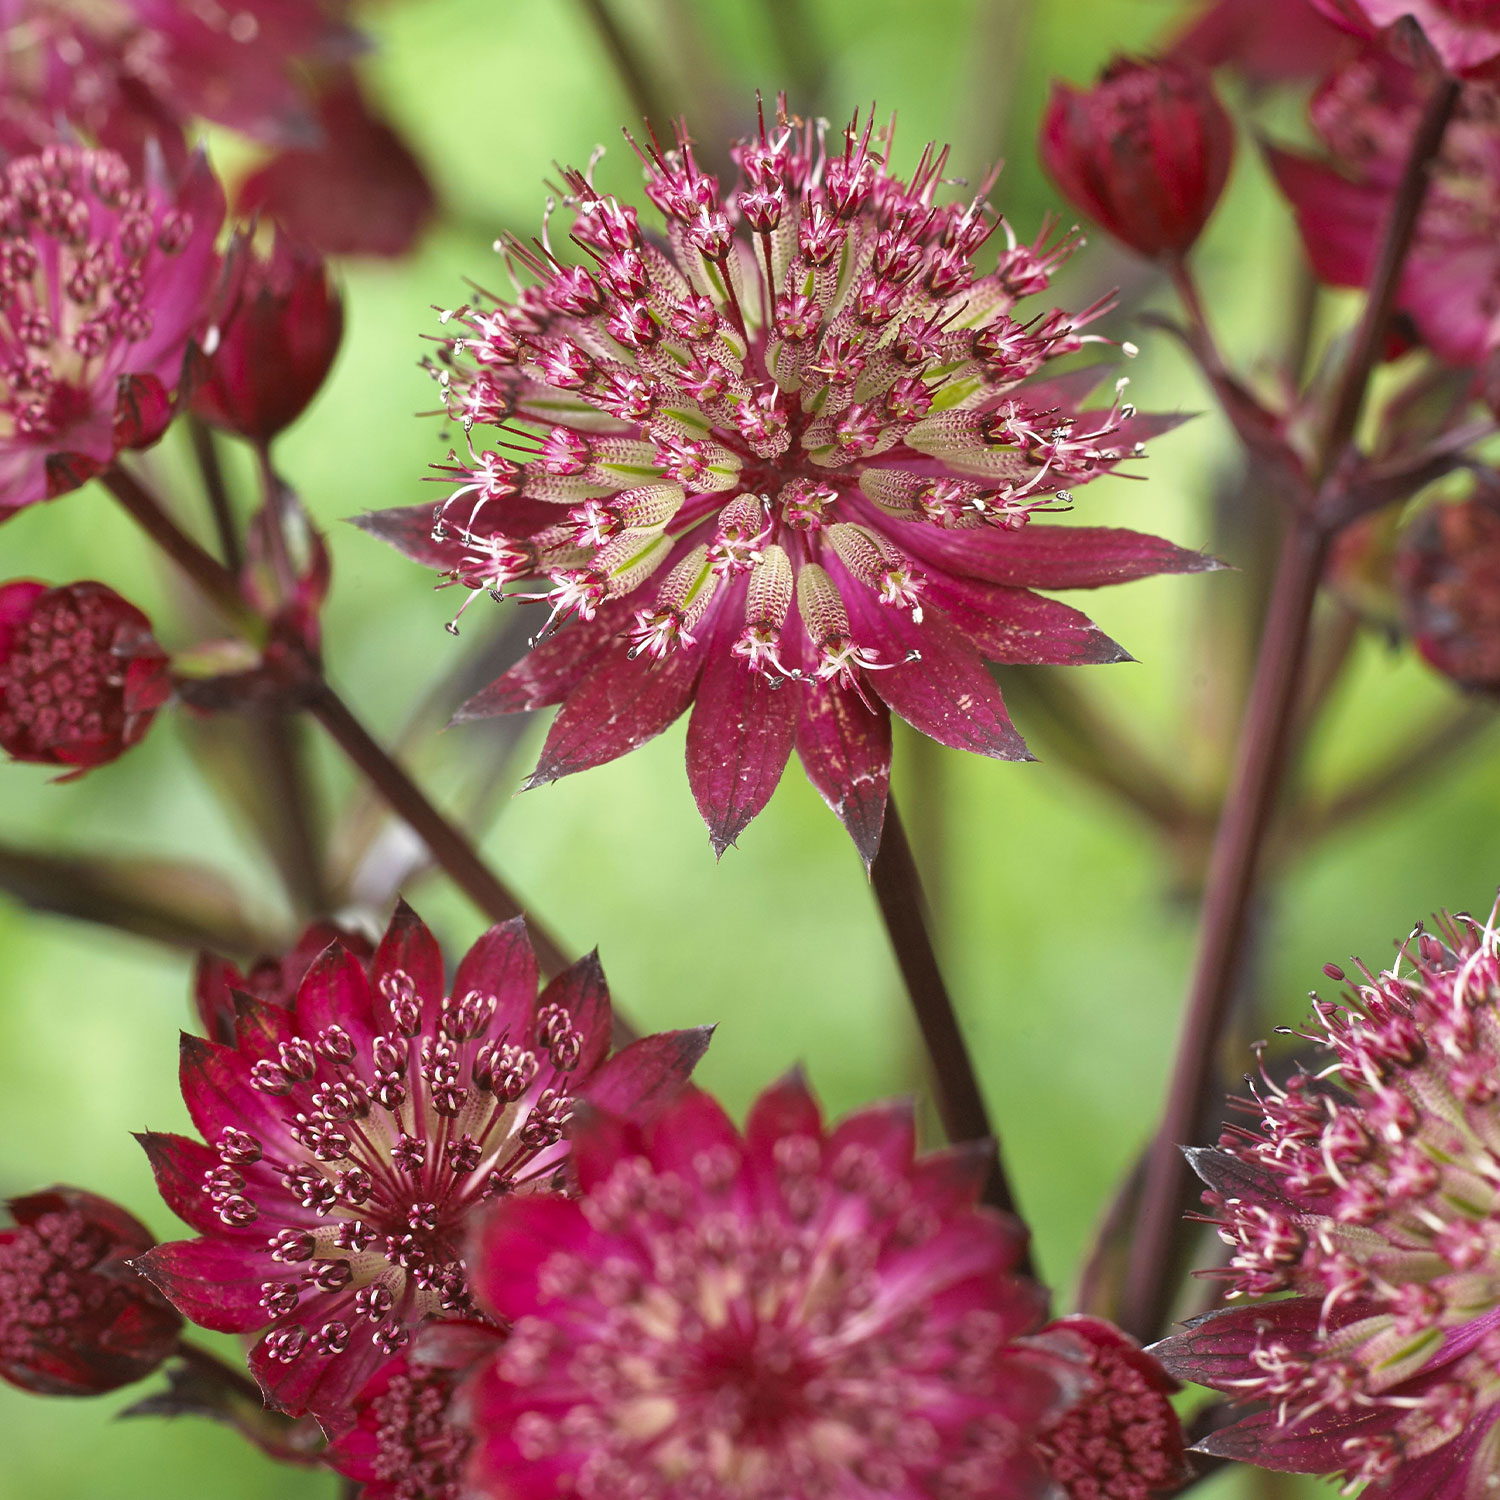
[(802, 442), (1365, 1206)]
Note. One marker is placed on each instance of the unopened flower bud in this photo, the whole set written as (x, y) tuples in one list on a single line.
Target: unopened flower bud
[(76, 1319), (80, 675), (276, 345), (1146, 152)]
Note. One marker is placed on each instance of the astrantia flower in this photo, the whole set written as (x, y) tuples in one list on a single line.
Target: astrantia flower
[(1145, 152), (352, 1136), (81, 676), (1465, 34), (1119, 1439), (783, 467), (1367, 1208), (1448, 573), (1367, 114), (76, 1319), (273, 978), (129, 72), (104, 282), (792, 1311)]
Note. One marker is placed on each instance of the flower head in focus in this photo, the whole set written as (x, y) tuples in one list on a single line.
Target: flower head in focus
[(353, 1135), (273, 979), (1366, 1208), (1146, 152), (797, 1309), (1366, 115), (276, 345), (1464, 34), (1119, 1439), (1448, 574), (76, 1318), (783, 467), (105, 283), (81, 676)]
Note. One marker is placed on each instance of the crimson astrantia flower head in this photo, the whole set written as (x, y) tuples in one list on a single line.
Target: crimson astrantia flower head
[(791, 1310), (1448, 573), (1465, 34), (357, 190), (76, 1319), (1366, 114), (781, 469), (104, 283), (272, 978), (81, 676), (1366, 1206), (1120, 1438), (1145, 152), (405, 1443), (276, 345), (127, 72), (352, 1136)]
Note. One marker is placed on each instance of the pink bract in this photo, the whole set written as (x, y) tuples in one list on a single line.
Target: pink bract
[(354, 1134), (781, 468), (1465, 34), (1366, 1207), (1367, 114), (795, 1309), (105, 283), (1264, 41)]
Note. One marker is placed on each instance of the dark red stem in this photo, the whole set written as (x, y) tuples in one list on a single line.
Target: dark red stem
[(206, 451), (1264, 751), (628, 64), (960, 1104), (448, 846)]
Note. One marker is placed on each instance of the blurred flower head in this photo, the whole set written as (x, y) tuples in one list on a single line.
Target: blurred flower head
[(1119, 1439), (76, 1319), (1366, 115), (81, 676), (272, 978), (1366, 1206), (357, 189), (782, 467), (1464, 34), (1145, 152), (355, 1133), (126, 73), (277, 343), (1448, 572), (106, 280), (793, 1310)]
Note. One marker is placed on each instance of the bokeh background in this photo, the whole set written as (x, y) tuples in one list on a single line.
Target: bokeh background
[(1066, 922)]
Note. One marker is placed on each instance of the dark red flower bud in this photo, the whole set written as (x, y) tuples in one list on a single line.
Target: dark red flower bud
[(80, 675), (1146, 152), (1119, 1439), (272, 979), (75, 1318), (359, 191), (276, 346), (1448, 572)]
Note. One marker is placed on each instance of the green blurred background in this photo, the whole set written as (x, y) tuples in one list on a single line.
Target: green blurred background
[(1065, 935)]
